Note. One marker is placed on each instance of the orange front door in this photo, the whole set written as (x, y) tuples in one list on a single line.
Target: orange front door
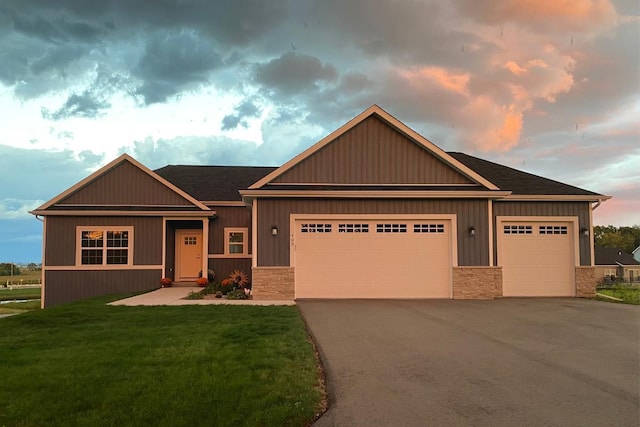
[(188, 254)]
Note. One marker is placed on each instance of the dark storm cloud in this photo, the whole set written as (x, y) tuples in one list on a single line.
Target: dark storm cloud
[(83, 105), (293, 73), (173, 61), (57, 30), (247, 109)]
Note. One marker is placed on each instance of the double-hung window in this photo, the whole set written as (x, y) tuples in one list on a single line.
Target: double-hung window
[(104, 245)]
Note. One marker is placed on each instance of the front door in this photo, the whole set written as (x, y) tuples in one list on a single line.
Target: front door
[(188, 254)]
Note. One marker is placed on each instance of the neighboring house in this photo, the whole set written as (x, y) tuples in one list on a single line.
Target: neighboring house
[(614, 264), (373, 210), (636, 254)]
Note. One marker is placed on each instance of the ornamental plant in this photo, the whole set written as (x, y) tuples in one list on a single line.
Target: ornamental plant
[(202, 282), (166, 282)]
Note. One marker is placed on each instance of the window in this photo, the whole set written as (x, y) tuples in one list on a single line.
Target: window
[(190, 240), (517, 229), (428, 228), (104, 245), (553, 229), (353, 228), (236, 241), (315, 228), (391, 228)]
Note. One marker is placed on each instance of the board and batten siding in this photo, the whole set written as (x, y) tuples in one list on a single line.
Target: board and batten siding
[(274, 250), (224, 266), (61, 238), (228, 217), (551, 209), (373, 153), (125, 184), (67, 286)]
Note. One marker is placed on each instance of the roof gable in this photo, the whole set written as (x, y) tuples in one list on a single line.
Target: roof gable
[(374, 149), (123, 182)]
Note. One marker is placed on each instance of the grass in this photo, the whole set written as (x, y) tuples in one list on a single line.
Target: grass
[(629, 295), (89, 364), (7, 294), (31, 294)]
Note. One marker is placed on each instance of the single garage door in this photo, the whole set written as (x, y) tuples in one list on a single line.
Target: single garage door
[(372, 258), (537, 259)]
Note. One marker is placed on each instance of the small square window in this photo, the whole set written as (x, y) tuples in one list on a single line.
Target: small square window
[(236, 241)]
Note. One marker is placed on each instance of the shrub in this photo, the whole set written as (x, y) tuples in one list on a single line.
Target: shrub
[(202, 282), (236, 294), (194, 295)]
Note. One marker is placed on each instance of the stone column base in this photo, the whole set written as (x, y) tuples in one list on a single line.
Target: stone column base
[(586, 282), (477, 282), (272, 283)]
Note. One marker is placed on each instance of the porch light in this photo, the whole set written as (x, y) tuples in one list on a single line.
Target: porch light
[(584, 231), (274, 230), (472, 231)]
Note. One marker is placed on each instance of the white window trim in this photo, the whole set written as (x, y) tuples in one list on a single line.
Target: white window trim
[(245, 242), (103, 228)]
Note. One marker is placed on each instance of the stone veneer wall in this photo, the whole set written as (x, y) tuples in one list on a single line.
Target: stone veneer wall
[(586, 282), (477, 282), (272, 283)]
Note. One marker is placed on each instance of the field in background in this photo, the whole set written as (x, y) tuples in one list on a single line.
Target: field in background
[(29, 277)]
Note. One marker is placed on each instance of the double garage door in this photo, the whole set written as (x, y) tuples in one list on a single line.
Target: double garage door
[(537, 258), (354, 257)]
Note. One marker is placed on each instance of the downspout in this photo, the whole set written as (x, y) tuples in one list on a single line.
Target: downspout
[(591, 237)]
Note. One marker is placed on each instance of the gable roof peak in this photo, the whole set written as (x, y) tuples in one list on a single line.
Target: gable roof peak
[(394, 123)]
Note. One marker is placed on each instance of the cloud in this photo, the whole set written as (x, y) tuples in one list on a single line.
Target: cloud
[(84, 105), (292, 73), (17, 208), (174, 61), (247, 109)]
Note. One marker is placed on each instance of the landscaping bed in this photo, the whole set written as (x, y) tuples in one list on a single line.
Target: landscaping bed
[(87, 363)]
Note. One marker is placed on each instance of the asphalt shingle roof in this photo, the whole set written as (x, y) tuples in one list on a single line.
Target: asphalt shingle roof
[(221, 183), (209, 183), (519, 182), (610, 256)]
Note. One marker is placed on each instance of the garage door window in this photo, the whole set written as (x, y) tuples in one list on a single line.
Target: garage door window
[(391, 228), (428, 228), (518, 229), (315, 228), (553, 229), (353, 228)]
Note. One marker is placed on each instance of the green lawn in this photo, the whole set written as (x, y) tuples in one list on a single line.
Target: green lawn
[(89, 364), (630, 295), (7, 294)]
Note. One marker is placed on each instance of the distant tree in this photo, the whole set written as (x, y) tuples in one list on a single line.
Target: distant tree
[(627, 238), (32, 266), (5, 269)]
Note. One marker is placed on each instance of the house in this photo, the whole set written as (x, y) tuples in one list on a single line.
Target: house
[(373, 210), (614, 264), (636, 254)]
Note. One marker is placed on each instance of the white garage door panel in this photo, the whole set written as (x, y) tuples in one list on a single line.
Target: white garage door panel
[(539, 263), (372, 264)]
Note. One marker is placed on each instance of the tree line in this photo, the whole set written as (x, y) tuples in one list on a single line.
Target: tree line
[(6, 268), (608, 236)]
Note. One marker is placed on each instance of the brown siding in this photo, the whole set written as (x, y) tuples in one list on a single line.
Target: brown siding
[(128, 185), (373, 153), (67, 286), (224, 266), (61, 238), (228, 216), (579, 209), (274, 250)]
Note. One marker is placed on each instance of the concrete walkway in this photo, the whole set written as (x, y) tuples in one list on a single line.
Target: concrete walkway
[(174, 295)]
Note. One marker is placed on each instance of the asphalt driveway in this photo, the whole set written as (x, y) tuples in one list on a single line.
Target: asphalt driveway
[(508, 362)]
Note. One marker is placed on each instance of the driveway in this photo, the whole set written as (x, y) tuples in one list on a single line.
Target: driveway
[(507, 362)]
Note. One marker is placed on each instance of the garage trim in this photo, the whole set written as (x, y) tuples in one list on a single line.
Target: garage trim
[(451, 218)]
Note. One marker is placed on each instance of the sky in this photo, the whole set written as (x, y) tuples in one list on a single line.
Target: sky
[(550, 87)]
